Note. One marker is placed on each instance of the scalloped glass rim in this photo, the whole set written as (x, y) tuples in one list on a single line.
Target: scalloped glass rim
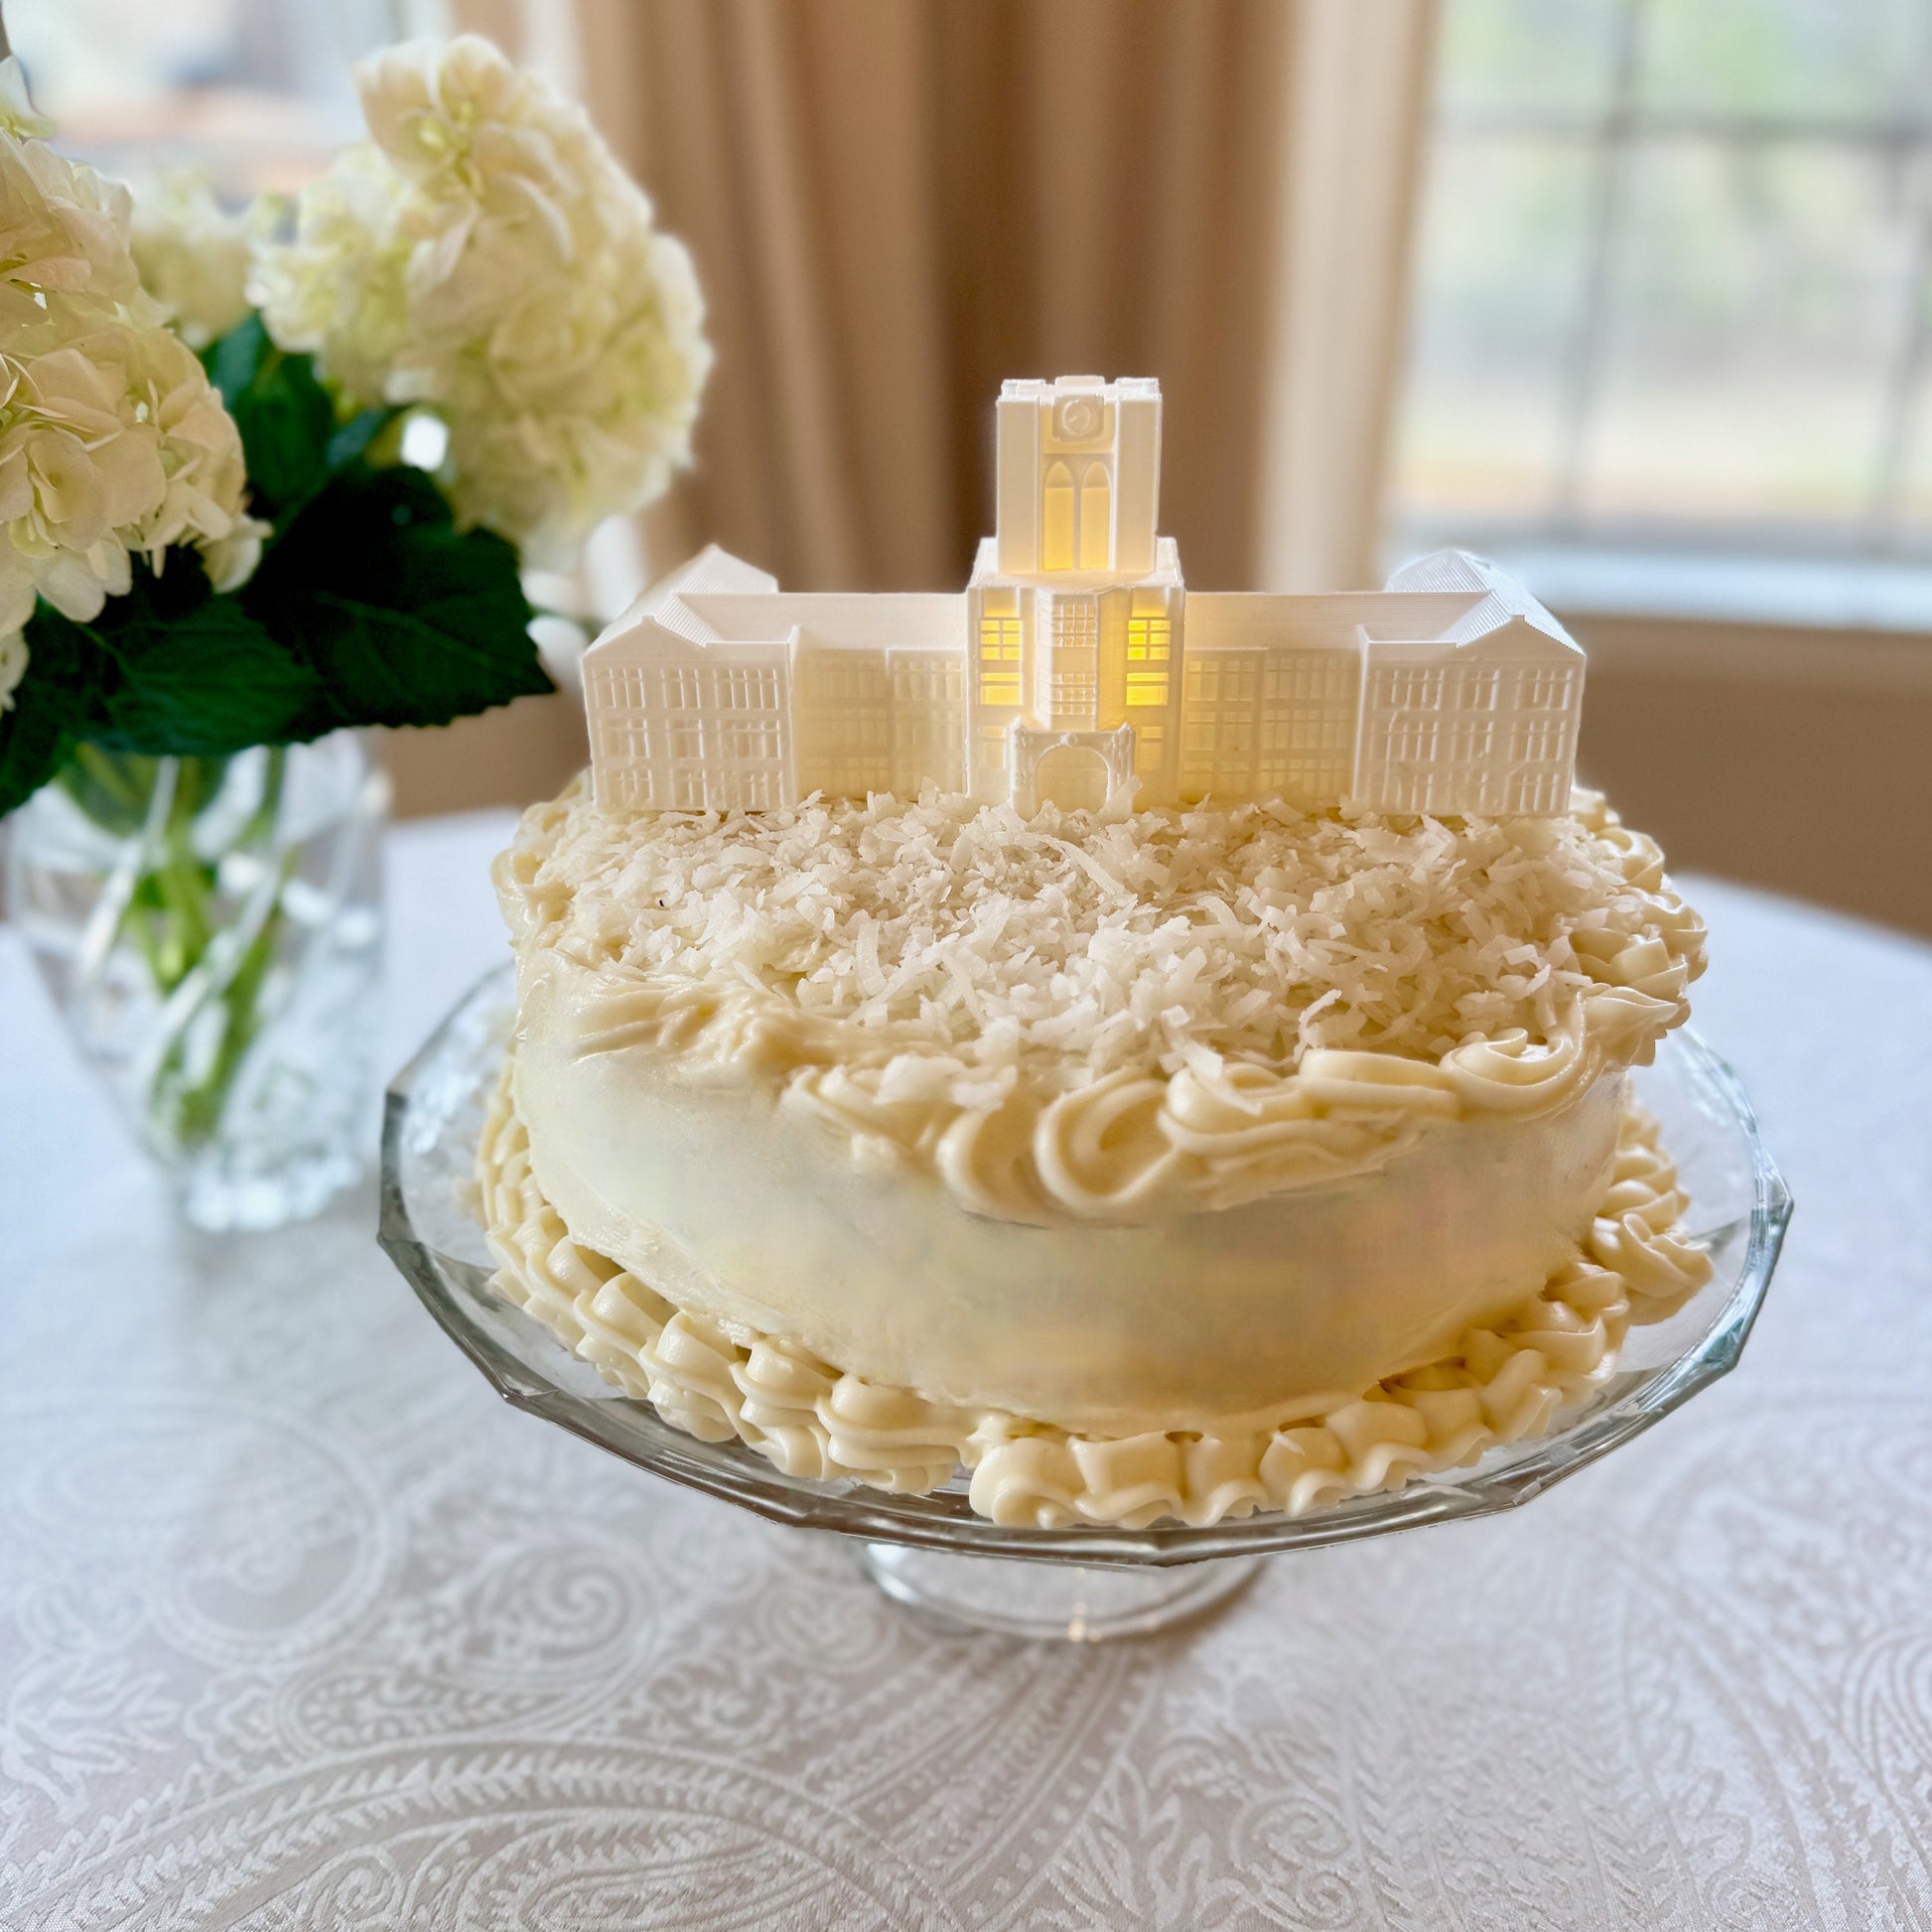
[(434, 1112)]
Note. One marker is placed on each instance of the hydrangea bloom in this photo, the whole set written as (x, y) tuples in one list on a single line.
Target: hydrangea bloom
[(193, 254), (485, 256), (111, 439)]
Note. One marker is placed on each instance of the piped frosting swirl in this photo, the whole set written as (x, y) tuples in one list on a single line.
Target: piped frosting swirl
[(1106, 1020), (1503, 1381)]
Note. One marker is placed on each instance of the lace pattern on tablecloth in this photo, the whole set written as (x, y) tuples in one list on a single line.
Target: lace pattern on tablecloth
[(300, 1630)]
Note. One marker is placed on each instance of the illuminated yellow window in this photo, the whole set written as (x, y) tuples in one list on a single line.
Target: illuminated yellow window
[(1000, 660), (1096, 515), (1056, 519), (999, 641), (1150, 643)]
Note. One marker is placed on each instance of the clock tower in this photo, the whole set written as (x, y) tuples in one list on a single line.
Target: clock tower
[(1074, 609)]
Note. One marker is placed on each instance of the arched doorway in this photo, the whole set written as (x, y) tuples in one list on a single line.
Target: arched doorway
[(1073, 776)]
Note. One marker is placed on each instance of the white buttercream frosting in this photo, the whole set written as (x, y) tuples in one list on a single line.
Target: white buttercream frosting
[(1093, 1021), (1172, 1163), (1498, 1380)]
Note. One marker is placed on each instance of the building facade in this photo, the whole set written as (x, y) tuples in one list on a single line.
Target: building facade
[(1076, 666)]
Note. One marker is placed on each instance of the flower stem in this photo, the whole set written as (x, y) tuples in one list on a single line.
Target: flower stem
[(209, 960)]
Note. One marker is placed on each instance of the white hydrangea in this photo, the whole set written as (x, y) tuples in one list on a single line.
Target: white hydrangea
[(193, 254), (18, 116), (112, 441), (63, 229), (485, 256)]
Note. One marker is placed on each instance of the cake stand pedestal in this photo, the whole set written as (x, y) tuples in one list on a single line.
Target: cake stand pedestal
[(1076, 1603), (1080, 1582)]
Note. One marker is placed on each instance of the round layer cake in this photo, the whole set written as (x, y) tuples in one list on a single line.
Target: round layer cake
[(1111, 1155)]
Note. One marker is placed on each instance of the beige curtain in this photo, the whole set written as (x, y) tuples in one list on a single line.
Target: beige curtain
[(895, 204)]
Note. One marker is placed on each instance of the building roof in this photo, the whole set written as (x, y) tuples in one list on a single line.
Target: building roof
[(1449, 597), (717, 598), (1500, 597), (932, 620)]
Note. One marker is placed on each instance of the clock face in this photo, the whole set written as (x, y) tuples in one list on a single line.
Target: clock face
[(1077, 419)]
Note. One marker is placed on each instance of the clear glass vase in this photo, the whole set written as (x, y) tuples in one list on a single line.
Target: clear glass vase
[(210, 930)]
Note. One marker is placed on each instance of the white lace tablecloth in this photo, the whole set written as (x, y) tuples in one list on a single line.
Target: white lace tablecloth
[(299, 1627)]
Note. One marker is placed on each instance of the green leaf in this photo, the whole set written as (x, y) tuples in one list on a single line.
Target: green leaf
[(283, 413), (168, 670), (290, 437), (404, 618), (50, 709), (201, 685)]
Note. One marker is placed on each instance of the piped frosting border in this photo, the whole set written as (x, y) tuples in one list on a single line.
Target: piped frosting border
[(1504, 1382), (1133, 1145)]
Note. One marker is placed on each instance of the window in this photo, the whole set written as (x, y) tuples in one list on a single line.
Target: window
[(1150, 641), (1673, 286), (999, 641), (255, 92), (1096, 518), (1076, 622), (1056, 519), (750, 743), (1000, 660)]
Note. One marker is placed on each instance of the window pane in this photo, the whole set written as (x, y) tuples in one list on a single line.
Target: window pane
[(1909, 417), (1502, 278), (1691, 307), (1759, 295), (255, 92), (1547, 57), (1796, 59)]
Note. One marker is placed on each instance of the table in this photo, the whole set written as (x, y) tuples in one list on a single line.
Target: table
[(300, 1628)]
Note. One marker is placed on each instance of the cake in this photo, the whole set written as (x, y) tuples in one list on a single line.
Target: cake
[(1178, 1163), (1151, 1105)]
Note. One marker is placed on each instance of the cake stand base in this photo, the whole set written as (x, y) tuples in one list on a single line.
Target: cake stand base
[(1070, 1602)]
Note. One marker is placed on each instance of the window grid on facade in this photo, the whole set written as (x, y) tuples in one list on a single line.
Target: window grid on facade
[(1076, 622), (1073, 681), (1219, 729), (1074, 688), (1307, 734), (926, 722), (622, 704)]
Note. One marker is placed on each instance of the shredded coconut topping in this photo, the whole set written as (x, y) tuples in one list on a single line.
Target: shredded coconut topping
[(1075, 945)]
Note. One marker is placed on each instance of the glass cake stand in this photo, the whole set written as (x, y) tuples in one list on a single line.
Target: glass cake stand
[(931, 1553)]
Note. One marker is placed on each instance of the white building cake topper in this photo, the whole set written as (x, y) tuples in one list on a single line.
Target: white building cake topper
[(1076, 664)]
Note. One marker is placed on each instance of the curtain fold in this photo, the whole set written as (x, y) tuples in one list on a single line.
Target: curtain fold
[(895, 205)]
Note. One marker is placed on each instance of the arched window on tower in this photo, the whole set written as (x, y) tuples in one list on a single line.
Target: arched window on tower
[(1096, 517), (1056, 519)]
